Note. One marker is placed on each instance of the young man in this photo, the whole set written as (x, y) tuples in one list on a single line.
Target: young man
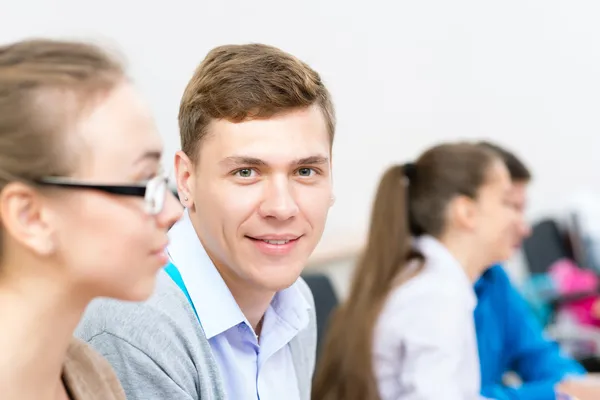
[(254, 174), (508, 335)]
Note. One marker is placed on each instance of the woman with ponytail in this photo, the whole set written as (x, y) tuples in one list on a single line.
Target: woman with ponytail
[(406, 330)]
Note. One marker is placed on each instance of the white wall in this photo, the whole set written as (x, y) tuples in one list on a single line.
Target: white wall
[(523, 73)]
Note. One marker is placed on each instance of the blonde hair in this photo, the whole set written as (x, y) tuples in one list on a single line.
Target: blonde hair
[(44, 87), (33, 118)]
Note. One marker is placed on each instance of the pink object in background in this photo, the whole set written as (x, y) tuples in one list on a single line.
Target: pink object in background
[(569, 278)]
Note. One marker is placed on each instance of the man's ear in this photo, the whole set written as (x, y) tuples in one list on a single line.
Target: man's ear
[(26, 219), (462, 212), (184, 174)]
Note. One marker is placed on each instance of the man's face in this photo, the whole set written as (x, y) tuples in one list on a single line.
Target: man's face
[(260, 193), (518, 199), (494, 216)]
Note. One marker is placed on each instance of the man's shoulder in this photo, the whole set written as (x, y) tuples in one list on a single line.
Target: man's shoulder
[(306, 292), (497, 270), (304, 346), (496, 294), (165, 314), (495, 276), (157, 347)]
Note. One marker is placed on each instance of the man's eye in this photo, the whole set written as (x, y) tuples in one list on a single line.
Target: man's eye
[(306, 171), (245, 173)]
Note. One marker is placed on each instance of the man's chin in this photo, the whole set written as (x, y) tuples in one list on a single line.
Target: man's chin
[(276, 278), (517, 247)]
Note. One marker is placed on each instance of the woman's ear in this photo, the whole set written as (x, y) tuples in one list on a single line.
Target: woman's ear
[(26, 219)]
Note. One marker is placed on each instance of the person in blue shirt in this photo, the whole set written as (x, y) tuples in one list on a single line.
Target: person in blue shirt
[(510, 339)]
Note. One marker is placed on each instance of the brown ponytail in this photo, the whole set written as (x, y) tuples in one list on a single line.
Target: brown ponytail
[(345, 369), (400, 210)]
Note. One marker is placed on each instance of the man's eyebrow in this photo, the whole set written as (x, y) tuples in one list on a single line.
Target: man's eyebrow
[(234, 161), (151, 155), (312, 160)]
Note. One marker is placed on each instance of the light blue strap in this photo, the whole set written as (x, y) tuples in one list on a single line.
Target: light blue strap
[(173, 272)]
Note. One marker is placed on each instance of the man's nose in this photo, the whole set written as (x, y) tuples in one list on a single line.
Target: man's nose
[(279, 201)]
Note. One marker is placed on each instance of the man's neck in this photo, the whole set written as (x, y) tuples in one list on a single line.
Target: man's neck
[(42, 316), (253, 301)]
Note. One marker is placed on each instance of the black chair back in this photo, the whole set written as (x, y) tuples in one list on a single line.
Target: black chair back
[(326, 301), (546, 245)]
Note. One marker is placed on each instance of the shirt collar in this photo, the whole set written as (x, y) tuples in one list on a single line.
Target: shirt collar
[(438, 256), (486, 280), (216, 307), (214, 303), (291, 306)]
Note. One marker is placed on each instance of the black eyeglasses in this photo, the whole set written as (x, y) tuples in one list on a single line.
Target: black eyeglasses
[(153, 191)]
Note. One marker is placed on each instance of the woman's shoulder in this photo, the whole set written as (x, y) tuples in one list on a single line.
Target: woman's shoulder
[(422, 281), (425, 295), (87, 375)]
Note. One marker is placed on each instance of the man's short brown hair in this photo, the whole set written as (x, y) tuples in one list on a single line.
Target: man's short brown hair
[(241, 82), (516, 168)]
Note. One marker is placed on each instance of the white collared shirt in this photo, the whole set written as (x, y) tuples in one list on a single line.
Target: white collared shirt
[(249, 370), (425, 345)]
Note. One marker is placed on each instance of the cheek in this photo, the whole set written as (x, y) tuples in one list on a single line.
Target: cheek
[(111, 249), (497, 224), (226, 207), (315, 205), (507, 227)]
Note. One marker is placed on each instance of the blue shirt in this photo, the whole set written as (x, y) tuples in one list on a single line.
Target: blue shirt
[(511, 339), (251, 369)]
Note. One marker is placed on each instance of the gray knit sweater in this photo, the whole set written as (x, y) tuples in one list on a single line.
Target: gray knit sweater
[(159, 351)]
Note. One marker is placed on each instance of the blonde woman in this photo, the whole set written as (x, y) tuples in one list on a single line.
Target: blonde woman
[(84, 212)]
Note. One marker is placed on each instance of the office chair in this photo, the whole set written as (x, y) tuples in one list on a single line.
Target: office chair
[(326, 301), (547, 245)]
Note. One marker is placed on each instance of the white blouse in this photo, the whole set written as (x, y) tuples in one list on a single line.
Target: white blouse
[(425, 345)]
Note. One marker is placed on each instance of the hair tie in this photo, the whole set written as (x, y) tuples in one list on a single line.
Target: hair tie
[(409, 170)]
